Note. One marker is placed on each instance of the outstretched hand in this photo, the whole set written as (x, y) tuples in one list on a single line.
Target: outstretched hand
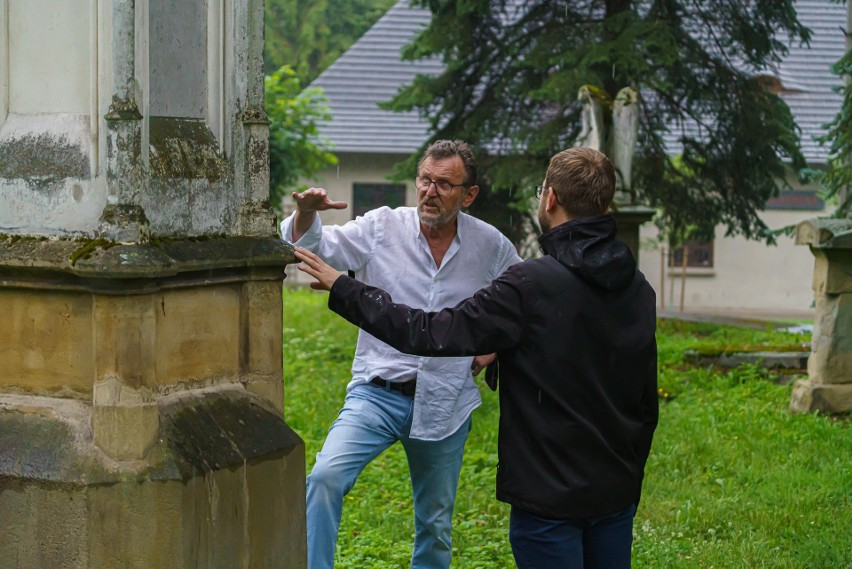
[(324, 274), (315, 199)]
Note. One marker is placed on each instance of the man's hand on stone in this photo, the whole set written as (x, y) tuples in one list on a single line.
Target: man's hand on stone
[(324, 274)]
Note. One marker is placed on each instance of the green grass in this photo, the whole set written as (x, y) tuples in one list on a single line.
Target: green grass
[(734, 479)]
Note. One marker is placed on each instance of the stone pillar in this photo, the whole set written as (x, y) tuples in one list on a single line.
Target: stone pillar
[(829, 385), (629, 218), (141, 395)]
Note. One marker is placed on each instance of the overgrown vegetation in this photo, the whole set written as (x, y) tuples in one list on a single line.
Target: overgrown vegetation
[(309, 35), (296, 149), (837, 179), (302, 38), (513, 71), (734, 479)]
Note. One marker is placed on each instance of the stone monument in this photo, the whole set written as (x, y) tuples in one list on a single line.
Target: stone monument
[(141, 396), (611, 126), (829, 385)]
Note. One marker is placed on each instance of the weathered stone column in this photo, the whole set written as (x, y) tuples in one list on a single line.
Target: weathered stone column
[(618, 141), (141, 395), (829, 385), (629, 218)]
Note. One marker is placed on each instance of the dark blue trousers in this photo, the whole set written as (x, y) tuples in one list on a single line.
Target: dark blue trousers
[(596, 543)]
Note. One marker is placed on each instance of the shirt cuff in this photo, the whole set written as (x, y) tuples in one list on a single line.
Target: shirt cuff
[(310, 239)]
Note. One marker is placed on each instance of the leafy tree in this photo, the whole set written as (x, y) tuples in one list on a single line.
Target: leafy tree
[(296, 150), (514, 69), (837, 179), (309, 35)]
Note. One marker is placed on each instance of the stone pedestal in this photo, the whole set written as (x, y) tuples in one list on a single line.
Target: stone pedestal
[(141, 406), (829, 385), (141, 396), (629, 218)]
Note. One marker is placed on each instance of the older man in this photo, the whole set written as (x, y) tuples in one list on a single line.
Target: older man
[(431, 257), (574, 334)]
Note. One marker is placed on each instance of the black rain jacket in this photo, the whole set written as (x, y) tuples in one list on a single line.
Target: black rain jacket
[(574, 333)]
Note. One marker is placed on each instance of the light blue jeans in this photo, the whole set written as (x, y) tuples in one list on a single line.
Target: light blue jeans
[(372, 419)]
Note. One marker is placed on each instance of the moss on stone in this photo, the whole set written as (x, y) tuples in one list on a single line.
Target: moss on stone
[(185, 149), (89, 247), (42, 160)]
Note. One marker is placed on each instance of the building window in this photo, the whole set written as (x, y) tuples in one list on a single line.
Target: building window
[(699, 255), (370, 196)]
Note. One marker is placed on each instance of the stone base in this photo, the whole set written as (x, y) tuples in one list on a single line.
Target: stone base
[(628, 219), (223, 487), (809, 395)]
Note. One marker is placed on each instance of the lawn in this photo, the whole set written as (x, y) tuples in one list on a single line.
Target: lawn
[(734, 479)]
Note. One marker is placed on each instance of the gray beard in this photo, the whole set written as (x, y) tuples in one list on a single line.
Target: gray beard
[(439, 221)]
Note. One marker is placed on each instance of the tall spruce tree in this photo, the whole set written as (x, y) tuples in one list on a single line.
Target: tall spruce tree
[(836, 180), (513, 71)]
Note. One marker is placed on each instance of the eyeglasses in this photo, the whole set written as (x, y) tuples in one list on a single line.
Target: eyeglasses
[(539, 190), (443, 187)]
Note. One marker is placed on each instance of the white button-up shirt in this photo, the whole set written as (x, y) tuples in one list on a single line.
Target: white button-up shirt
[(385, 248)]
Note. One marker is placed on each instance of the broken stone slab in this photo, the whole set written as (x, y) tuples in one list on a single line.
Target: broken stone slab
[(768, 360), (791, 360)]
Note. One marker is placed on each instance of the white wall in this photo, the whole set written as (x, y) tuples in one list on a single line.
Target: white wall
[(352, 169), (748, 277)]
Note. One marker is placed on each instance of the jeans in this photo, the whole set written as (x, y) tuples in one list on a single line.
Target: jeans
[(596, 543), (371, 420)]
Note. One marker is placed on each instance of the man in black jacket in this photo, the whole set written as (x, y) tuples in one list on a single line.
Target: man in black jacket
[(574, 334)]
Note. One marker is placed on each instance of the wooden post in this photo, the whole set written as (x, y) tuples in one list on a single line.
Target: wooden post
[(662, 278), (683, 275), (670, 257)]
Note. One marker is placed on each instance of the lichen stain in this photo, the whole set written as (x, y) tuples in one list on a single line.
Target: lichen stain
[(258, 157), (185, 149), (123, 109), (253, 115), (42, 160)]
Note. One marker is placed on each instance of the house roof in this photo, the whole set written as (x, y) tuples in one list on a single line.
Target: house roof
[(372, 71), (807, 71)]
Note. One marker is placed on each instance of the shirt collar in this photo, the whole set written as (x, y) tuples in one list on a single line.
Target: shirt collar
[(461, 225)]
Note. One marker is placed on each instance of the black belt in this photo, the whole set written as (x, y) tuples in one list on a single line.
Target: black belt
[(404, 387)]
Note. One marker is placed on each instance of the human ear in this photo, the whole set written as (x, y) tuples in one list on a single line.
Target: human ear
[(472, 192)]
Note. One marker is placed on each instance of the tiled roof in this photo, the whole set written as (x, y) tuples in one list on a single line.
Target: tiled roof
[(809, 69), (371, 72)]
